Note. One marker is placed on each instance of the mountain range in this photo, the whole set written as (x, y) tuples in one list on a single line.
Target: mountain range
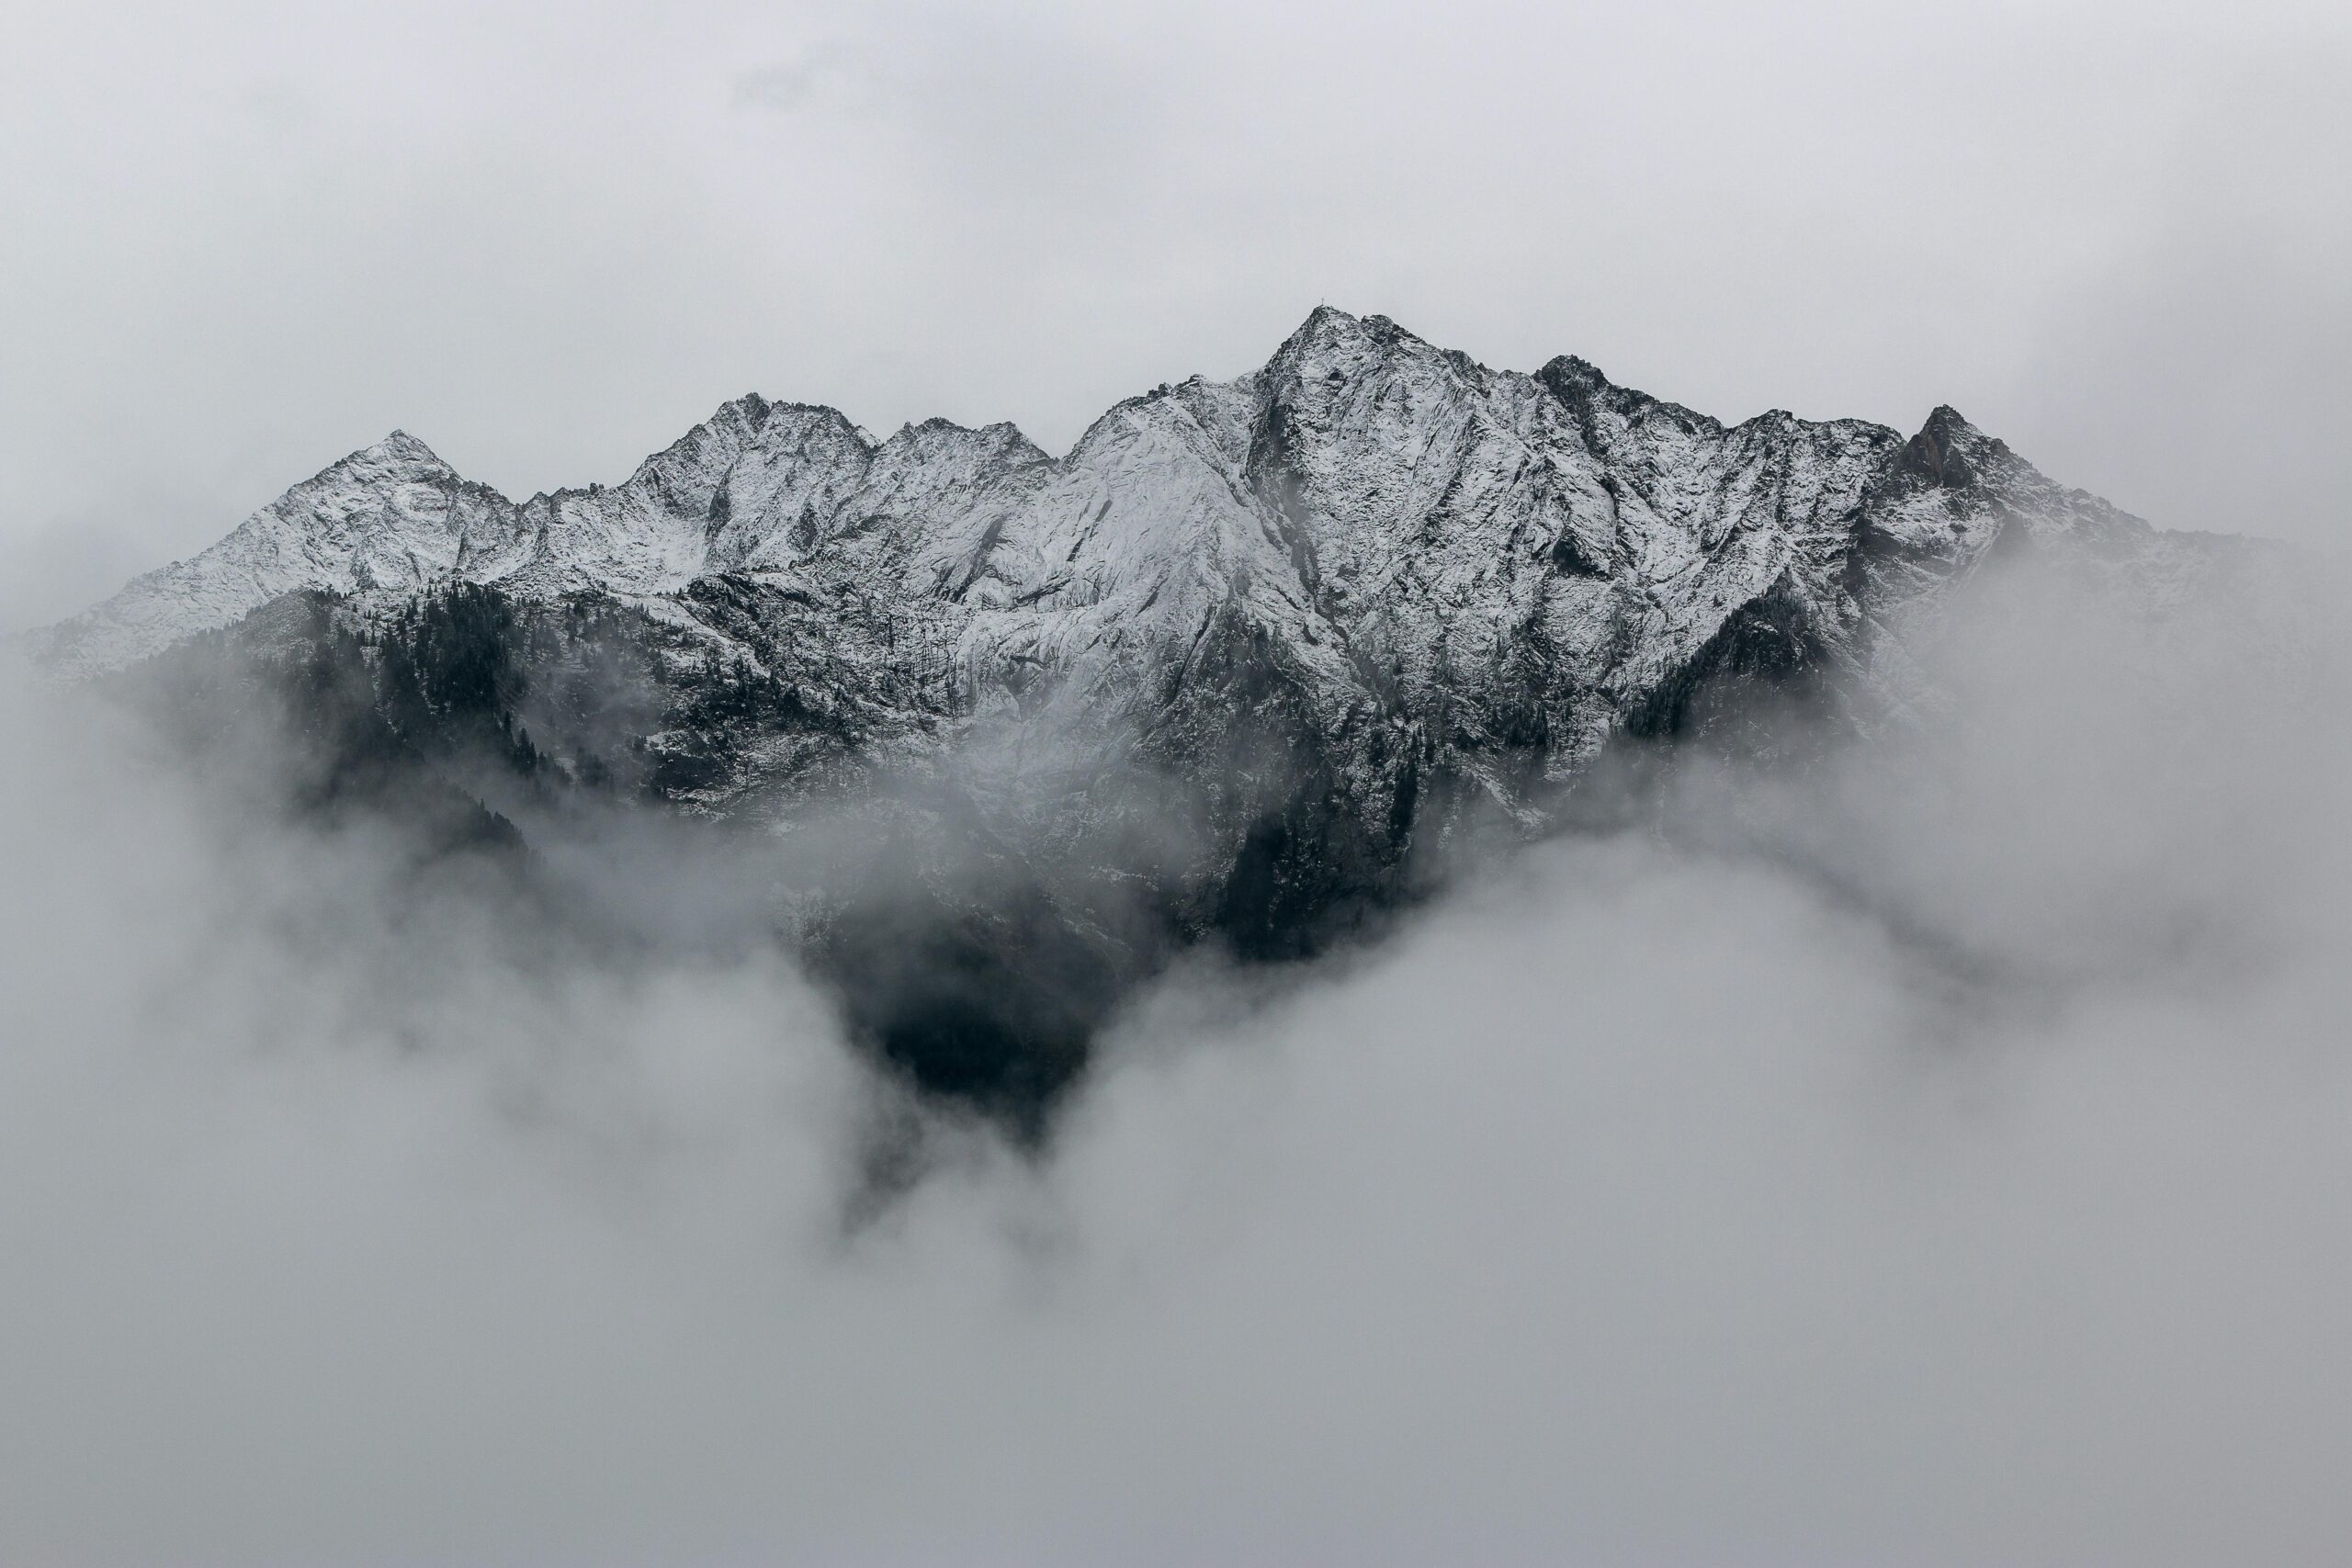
[(1239, 667)]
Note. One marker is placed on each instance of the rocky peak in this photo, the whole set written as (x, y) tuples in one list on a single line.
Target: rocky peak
[(401, 449), (687, 473), (1571, 377), (1942, 453), (1331, 346)]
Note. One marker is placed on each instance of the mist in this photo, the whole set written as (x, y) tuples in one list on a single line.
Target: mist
[(1931, 1150)]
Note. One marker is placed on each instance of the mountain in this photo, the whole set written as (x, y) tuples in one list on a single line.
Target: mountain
[(1238, 667)]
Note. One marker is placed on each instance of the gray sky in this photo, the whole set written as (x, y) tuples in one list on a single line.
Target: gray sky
[(244, 239)]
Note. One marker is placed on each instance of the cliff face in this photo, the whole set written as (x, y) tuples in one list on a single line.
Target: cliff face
[(1229, 668)]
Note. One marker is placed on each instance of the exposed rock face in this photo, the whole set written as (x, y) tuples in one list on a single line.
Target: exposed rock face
[(1225, 668)]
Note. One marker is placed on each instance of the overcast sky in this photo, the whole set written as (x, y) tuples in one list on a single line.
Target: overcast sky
[(243, 238)]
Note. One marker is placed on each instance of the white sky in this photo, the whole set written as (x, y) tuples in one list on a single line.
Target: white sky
[(240, 239)]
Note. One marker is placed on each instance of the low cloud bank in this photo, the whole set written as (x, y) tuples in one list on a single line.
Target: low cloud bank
[(1936, 1153)]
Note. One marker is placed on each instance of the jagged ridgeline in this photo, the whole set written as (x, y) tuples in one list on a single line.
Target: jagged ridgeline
[(1008, 729)]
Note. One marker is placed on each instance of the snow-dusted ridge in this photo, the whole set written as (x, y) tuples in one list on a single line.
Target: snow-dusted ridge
[(1512, 560)]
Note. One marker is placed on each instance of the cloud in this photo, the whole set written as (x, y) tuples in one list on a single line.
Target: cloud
[(2192, 372), (829, 76), (1934, 1156)]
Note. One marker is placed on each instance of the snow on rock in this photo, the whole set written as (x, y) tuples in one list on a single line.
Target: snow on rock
[(390, 519), (1402, 550)]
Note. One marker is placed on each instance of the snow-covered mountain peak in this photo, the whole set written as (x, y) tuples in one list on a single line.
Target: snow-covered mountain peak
[(1363, 491), (398, 449), (1331, 346)]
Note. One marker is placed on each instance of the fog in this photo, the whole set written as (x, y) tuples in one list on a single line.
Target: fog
[(1937, 1154)]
